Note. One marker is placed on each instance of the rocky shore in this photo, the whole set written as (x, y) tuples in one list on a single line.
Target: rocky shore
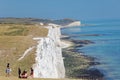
[(77, 64)]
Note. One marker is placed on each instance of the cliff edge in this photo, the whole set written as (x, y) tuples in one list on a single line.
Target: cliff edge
[(49, 60)]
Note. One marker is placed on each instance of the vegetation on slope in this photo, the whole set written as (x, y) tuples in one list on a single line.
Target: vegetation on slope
[(14, 40), (11, 20)]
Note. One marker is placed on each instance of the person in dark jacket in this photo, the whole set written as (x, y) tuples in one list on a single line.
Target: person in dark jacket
[(31, 72), (19, 72)]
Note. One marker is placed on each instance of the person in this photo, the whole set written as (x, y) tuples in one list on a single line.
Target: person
[(31, 72), (8, 64), (8, 70), (19, 72), (24, 74)]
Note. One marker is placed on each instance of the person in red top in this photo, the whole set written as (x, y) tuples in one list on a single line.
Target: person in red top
[(24, 74)]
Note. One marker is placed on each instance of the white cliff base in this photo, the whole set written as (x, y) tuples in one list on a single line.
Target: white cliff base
[(49, 60)]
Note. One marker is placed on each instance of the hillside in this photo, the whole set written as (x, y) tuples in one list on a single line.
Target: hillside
[(11, 20), (15, 39)]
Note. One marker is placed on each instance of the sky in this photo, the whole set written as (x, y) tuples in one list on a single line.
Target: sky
[(58, 9)]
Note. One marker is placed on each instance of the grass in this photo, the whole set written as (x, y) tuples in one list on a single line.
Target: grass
[(22, 30), (14, 40), (16, 78)]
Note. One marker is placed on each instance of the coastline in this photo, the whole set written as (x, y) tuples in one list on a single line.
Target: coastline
[(77, 65), (66, 43)]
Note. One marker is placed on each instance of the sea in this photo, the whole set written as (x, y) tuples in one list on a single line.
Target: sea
[(106, 47)]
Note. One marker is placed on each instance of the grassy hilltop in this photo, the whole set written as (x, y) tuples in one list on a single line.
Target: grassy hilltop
[(14, 40), (12, 20)]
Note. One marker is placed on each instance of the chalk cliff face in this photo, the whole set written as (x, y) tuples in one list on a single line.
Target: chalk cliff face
[(49, 60), (75, 23)]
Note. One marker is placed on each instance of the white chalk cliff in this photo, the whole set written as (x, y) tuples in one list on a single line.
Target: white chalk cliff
[(75, 23), (49, 60)]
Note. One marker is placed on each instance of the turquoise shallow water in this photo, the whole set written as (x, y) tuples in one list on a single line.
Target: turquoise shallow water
[(106, 35)]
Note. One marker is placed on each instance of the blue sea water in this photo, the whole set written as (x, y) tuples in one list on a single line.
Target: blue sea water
[(106, 35)]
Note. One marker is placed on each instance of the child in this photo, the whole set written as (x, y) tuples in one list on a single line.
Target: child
[(8, 70)]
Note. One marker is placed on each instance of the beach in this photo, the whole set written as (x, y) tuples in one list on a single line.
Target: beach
[(66, 44)]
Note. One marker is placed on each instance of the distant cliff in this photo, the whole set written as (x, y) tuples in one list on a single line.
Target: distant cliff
[(75, 23)]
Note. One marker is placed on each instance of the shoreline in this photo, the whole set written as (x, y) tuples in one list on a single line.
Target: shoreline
[(66, 44), (70, 52)]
